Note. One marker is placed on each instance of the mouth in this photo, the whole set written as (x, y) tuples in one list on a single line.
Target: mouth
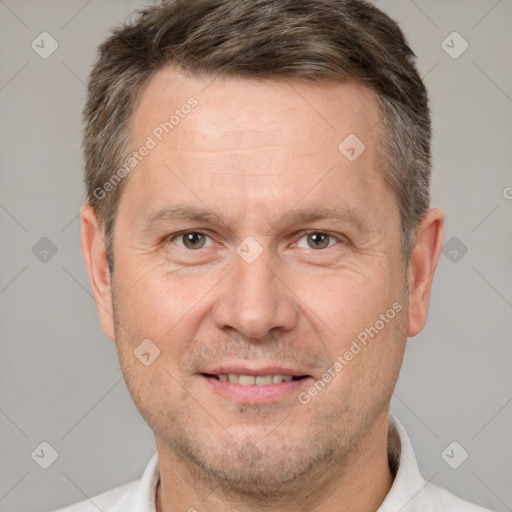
[(264, 386), (254, 380)]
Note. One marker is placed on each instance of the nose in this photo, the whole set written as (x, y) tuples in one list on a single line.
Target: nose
[(254, 300)]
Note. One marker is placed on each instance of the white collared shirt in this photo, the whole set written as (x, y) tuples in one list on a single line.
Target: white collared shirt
[(410, 492)]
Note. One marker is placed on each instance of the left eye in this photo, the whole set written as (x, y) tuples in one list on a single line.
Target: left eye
[(317, 240), (191, 240)]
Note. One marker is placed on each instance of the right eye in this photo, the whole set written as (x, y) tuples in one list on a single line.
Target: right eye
[(192, 240)]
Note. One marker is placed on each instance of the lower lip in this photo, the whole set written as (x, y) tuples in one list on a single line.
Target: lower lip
[(255, 394)]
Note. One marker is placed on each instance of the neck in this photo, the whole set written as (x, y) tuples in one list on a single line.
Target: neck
[(358, 482)]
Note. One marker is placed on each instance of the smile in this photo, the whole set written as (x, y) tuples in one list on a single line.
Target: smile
[(264, 387), (254, 380)]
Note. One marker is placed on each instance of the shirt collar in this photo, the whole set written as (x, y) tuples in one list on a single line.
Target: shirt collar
[(408, 482)]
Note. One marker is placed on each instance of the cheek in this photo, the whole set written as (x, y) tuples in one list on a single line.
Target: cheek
[(143, 381), (347, 302), (165, 308), (156, 300)]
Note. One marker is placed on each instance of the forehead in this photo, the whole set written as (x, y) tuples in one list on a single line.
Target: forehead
[(234, 113), (266, 143)]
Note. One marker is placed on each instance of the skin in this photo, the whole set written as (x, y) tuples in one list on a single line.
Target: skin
[(255, 153)]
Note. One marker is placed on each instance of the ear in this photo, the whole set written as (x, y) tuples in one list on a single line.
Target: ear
[(96, 260), (424, 258)]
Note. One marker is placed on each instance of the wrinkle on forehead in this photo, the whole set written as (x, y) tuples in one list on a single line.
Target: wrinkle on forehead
[(244, 105), (219, 138)]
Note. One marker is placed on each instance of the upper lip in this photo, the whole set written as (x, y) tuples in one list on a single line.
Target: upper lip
[(255, 371)]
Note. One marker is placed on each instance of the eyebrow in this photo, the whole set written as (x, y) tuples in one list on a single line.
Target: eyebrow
[(345, 214), (180, 212)]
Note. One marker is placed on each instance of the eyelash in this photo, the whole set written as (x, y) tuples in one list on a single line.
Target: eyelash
[(302, 234), (172, 238)]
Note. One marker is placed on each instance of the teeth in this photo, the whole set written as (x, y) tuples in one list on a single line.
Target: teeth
[(245, 380), (249, 380), (262, 380)]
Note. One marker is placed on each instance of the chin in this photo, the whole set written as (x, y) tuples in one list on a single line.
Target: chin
[(265, 466)]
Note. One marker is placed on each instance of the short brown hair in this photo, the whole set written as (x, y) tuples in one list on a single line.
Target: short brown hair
[(311, 40)]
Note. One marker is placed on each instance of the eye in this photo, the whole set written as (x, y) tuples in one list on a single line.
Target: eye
[(190, 240), (317, 240)]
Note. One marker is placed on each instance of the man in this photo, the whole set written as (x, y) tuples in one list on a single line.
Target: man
[(260, 246)]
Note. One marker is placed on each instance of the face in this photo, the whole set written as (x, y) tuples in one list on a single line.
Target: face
[(247, 243)]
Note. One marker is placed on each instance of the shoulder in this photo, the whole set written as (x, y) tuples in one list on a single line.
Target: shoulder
[(410, 492), (135, 496), (104, 501), (437, 499)]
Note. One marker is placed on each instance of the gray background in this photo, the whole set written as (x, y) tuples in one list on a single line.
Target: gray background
[(59, 376)]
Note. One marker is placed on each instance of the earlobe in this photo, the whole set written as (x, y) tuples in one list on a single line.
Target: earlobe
[(96, 260), (424, 259)]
